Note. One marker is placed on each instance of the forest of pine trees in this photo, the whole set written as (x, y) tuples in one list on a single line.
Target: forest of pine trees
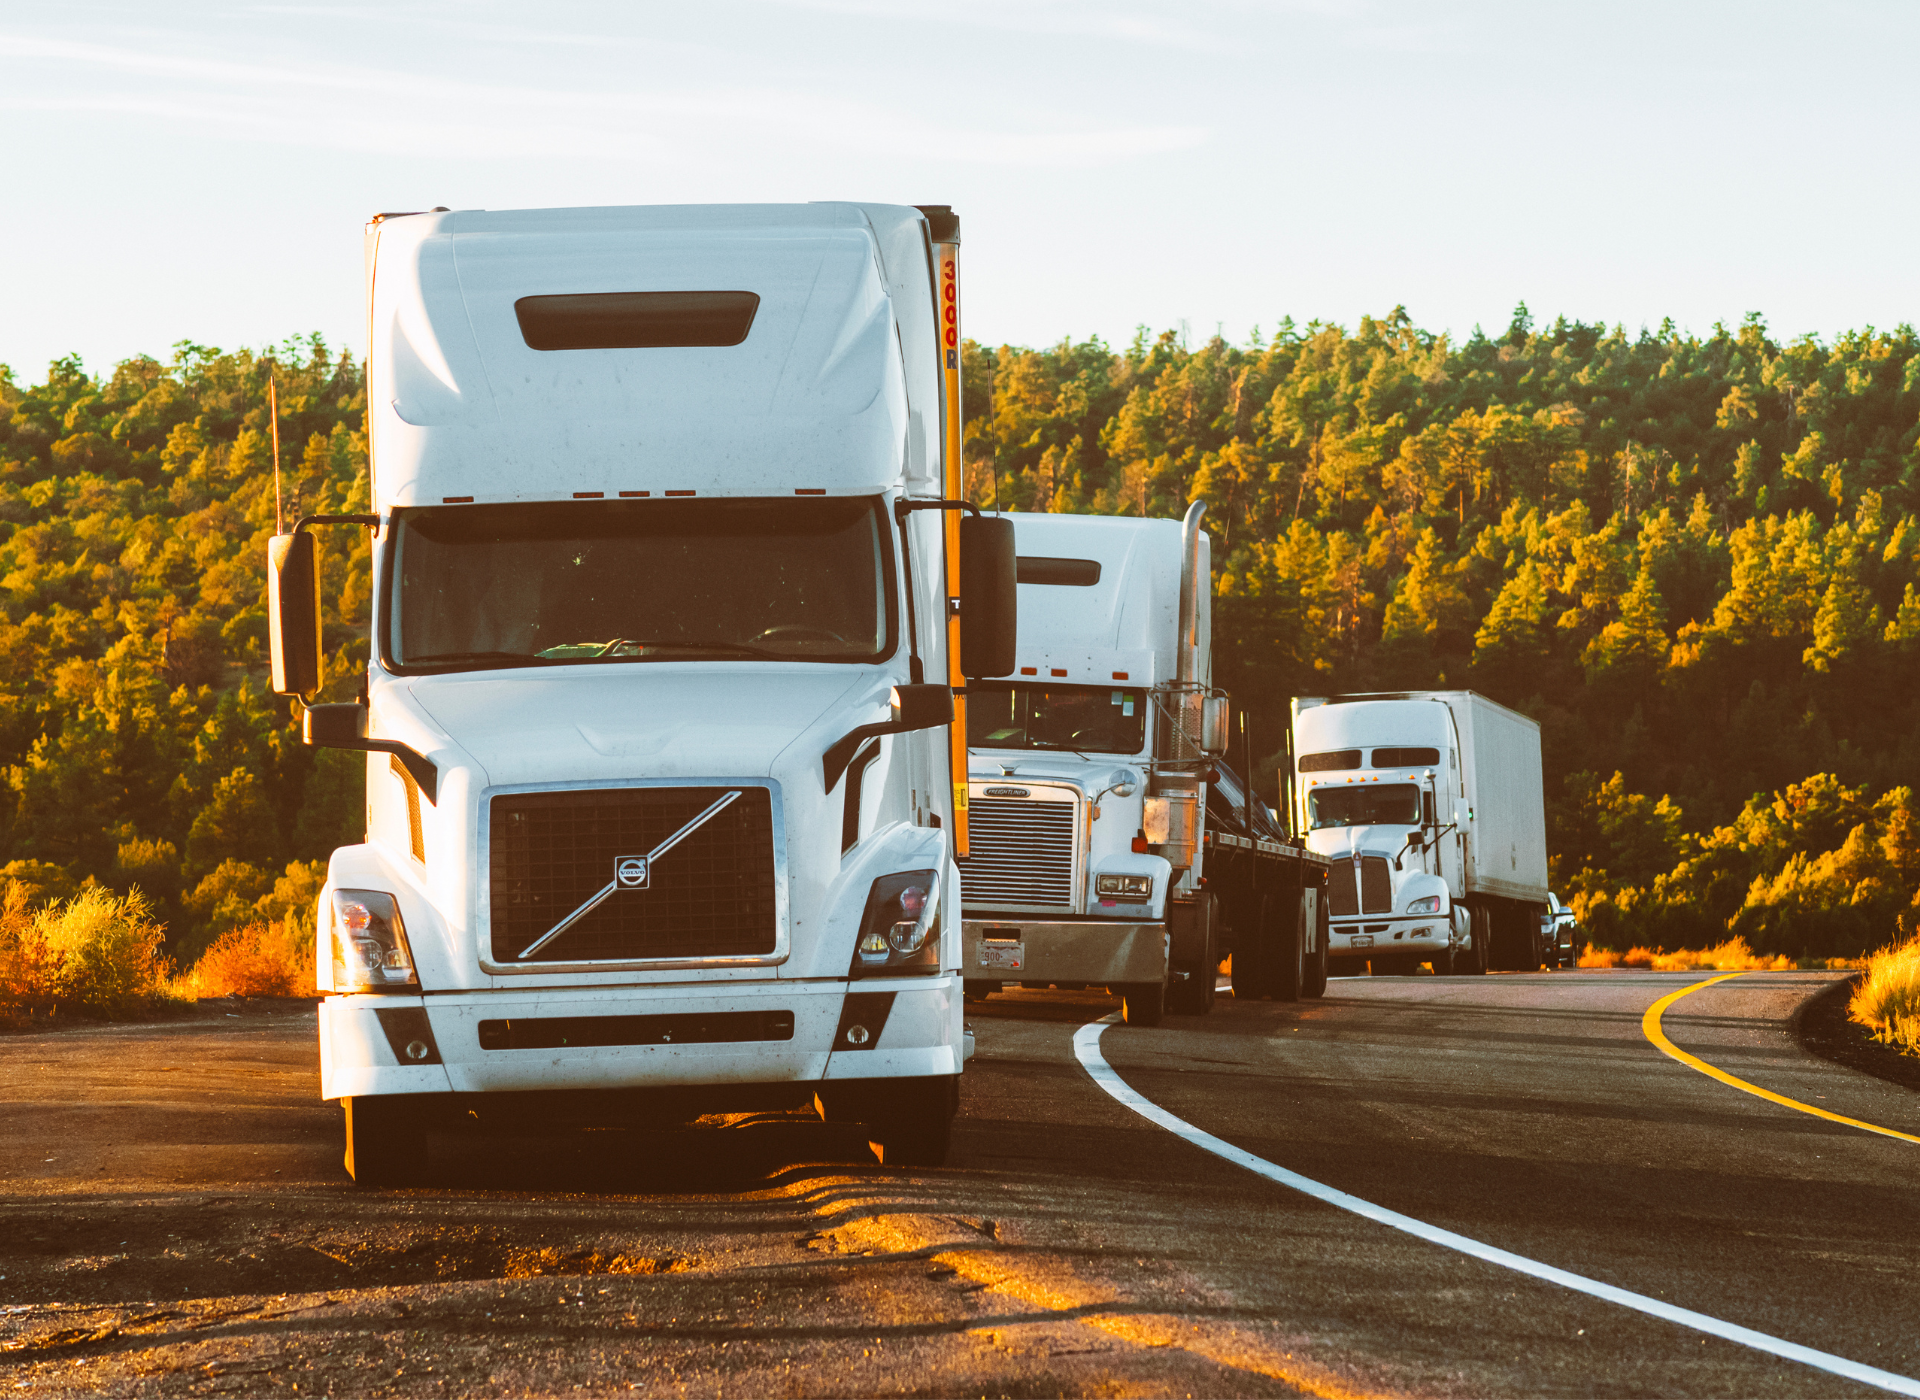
[(1694, 560)]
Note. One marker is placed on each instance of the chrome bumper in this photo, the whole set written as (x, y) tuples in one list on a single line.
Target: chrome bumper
[(1103, 951)]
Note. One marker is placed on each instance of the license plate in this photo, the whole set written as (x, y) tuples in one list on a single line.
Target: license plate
[(1003, 957), (1361, 940)]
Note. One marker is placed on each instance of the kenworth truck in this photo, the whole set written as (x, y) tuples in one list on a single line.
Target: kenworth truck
[(1431, 804), (1111, 844), (664, 781)]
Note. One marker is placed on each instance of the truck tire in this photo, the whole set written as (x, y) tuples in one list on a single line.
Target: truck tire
[(1473, 963), (1443, 963), (916, 1128), (1253, 956), (386, 1140), (1143, 1003), (1194, 994), (1290, 976), (1316, 983)]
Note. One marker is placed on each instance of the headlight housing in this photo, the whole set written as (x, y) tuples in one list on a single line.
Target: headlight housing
[(1123, 886), (1428, 904), (370, 952), (900, 931)]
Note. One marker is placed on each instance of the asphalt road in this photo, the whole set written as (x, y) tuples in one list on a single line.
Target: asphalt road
[(174, 1220)]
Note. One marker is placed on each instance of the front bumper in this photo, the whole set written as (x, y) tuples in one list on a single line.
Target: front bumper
[(1363, 938), (382, 1044), (1102, 951)]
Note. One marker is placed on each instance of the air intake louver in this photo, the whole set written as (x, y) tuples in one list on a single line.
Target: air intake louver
[(712, 895), (1021, 853)]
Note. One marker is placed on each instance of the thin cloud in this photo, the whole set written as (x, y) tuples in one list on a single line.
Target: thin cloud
[(441, 116)]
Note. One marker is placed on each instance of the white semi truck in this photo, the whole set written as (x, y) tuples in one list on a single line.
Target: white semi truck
[(1432, 807), (664, 786), (1112, 844)]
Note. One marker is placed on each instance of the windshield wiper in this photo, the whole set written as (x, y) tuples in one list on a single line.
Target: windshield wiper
[(517, 658), (736, 648)]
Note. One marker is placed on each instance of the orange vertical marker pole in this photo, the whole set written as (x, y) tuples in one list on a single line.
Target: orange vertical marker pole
[(947, 271)]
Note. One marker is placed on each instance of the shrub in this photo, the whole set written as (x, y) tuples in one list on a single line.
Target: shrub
[(1887, 1000), (255, 960), (1732, 956), (97, 953)]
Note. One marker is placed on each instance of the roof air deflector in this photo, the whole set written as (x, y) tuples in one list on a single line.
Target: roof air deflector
[(636, 320)]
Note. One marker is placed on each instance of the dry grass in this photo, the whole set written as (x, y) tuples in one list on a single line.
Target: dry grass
[(1887, 1001), (256, 960), (1732, 956)]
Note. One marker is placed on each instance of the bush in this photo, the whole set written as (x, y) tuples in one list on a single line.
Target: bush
[(97, 953), (1887, 1000), (255, 960)]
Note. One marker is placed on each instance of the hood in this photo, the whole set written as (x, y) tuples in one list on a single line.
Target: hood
[(652, 719), (1090, 774), (1344, 841)]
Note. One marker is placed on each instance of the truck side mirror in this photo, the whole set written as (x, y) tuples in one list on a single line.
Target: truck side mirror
[(914, 707), (1213, 725), (1426, 809), (1462, 813), (293, 612), (989, 609)]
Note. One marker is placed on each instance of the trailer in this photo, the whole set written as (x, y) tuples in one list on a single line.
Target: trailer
[(1112, 843)]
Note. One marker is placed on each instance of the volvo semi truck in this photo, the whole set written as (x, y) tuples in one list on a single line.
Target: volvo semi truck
[(1112, 844), (1430, 803), (665, 777)]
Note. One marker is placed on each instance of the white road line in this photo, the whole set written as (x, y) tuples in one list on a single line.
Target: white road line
[(1086, 1045)]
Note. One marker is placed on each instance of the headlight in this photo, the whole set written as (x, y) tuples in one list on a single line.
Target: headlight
[(370, 952), (1124, 886), (1428, 905), (900, 931)]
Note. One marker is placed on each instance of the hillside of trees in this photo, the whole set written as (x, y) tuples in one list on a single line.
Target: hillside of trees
[(1694, 560)]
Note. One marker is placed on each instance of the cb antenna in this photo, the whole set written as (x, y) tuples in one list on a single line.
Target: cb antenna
[(273, 419)]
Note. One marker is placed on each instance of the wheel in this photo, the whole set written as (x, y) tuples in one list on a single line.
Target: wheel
[(1252, 959), (1442, 963), (978, 990), (386, 1140), (1290, 977), (1316, 983), (916, 1127), (1474, 962), (1143, 1003), (1195, 995)]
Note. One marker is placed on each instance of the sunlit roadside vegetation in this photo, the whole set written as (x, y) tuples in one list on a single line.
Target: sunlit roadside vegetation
[(1887, 1001), (1731, 956)]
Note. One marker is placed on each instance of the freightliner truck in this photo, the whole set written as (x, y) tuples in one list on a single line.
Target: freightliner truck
[(664, 787), (1112, 844), (1431, 805)]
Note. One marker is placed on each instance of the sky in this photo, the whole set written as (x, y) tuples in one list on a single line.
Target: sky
[(202, 169)]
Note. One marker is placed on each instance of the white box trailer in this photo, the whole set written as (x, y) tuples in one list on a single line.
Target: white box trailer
[(664, 793), (1437, 801)]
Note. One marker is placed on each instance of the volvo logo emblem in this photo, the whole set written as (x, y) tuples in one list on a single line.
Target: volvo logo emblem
[(1008, 792), (630, 872)]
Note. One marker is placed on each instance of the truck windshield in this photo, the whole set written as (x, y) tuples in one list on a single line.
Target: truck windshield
[(603, 581), (1370, 804), (1079, 717)]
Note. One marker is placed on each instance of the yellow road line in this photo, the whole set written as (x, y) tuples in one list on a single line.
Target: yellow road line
[(1650, 1024)]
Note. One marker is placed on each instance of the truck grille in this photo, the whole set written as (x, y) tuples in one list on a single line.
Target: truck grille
[(712, 895), (1021, 853), (1375, 893)]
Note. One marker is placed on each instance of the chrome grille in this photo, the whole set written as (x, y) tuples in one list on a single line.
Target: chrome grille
[(1375, 893), (1021, 853), (712, 895)]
